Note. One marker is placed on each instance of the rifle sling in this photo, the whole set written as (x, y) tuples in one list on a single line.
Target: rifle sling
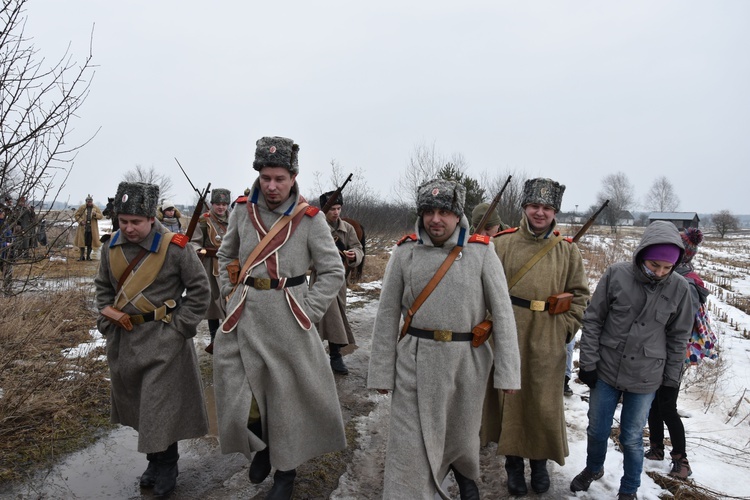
[(533, 260), (427, 290)]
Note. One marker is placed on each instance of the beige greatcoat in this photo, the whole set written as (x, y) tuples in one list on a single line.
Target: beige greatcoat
[(334, 327), (156, 386), (80, 218), (531, 423)]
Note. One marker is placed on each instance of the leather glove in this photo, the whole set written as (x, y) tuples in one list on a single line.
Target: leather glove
[(588, 377)]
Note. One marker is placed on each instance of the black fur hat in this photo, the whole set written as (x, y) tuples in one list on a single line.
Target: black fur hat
[(276, 152), (324, 198), (137, 198), (220, 195)]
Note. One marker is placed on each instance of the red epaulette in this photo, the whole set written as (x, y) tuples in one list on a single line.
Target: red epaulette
[(408, 237), (479, 238), (311, 211), (557, 233), (241, 199), (510, 230), (180, 240), (206, 215)]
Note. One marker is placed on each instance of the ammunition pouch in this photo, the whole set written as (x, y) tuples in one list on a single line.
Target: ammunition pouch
[(233, 269), (117, 317), (560, 302), (481, 333)]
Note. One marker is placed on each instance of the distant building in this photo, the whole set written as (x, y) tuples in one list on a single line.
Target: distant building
[(682, 220), (625, 218)]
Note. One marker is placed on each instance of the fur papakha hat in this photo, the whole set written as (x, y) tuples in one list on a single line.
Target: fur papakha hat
[(441, 193), (221, 195), (89, 198), (276, 152), (137, 198), (324, 198), (544, 192), (691, 238)]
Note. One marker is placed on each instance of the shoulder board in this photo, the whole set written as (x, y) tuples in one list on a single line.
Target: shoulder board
[(568, 239), (479, 238), (206, 215), (241, 199), (312, 211), (408, 237), (180, 239), (506, 231)]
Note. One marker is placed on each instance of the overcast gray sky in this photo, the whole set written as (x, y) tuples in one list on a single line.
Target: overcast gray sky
[(572, 90)]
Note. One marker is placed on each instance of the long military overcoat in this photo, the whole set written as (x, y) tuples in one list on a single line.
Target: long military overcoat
[(438, 387), (156, 385), (80, 218), (334, 327), (202, 238), (531, 423), (270, 356)]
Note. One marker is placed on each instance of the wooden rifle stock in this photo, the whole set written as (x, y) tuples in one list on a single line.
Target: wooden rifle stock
[(335, 196), (198, 211), (589, 222), (492, 207)]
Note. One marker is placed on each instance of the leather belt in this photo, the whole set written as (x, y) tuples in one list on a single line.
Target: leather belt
[(137, 319), (534, 305), (274, 284), (440, 335)]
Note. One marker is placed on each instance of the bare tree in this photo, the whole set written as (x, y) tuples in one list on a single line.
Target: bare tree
[(358, 194), (725, 222), (150, 176), (424, 164), (38, 101), (620, 192), (662, 197)]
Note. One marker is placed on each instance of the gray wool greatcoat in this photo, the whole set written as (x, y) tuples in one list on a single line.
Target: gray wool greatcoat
[(438, 387), (202, 239), (269, 356), (636, 328), (334, 327), (531, 423), (156, 385)]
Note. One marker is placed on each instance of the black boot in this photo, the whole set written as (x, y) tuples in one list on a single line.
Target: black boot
[(83, 255), (516, 480), (213, 325), (466, 487), (539, 476), (283, 485), (260, 467), (88, 253), (566, 388), (337, 362), (148, 478), (166, 471)]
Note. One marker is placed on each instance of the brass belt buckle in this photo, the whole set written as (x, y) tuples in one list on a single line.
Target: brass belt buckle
[(537, 305), (262, 283), (443, 335)]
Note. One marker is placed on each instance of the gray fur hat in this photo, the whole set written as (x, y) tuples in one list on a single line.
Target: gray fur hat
[(324, 198), (137, 198), (441, 193), (221, 195), (276, 152), (544, 192)]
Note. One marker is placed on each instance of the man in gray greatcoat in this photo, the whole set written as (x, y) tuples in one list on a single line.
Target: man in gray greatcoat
[(275, 393), (334, 327), (437, 375), (209, 232), (149, 326)]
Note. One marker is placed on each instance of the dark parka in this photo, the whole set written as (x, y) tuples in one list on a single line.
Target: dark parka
[(636, 328), (438, 387), (270, 356), (531, 423), (156, 385)]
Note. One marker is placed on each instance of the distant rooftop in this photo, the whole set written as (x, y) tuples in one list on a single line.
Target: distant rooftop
[(673, 215)]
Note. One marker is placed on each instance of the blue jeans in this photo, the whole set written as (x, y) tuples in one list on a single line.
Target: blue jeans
[(569, 358), (635, 407)]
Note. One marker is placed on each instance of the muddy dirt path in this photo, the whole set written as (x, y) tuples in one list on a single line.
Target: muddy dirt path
[(111, 468)]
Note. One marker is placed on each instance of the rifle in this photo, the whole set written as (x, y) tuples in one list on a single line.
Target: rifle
[(492, 207), (589, 222), (198, 206), (335, 196)]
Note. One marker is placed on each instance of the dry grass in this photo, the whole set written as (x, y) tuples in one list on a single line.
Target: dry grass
[(50, 404)]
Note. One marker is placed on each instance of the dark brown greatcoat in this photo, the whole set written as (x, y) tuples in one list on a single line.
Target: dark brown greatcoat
[(156, 385), (208, 234), (531, 423)]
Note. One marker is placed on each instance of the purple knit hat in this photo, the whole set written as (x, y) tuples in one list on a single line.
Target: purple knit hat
[(691, 238), (666, 252)]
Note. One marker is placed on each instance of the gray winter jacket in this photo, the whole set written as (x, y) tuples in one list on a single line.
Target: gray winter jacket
[(636, 328)]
